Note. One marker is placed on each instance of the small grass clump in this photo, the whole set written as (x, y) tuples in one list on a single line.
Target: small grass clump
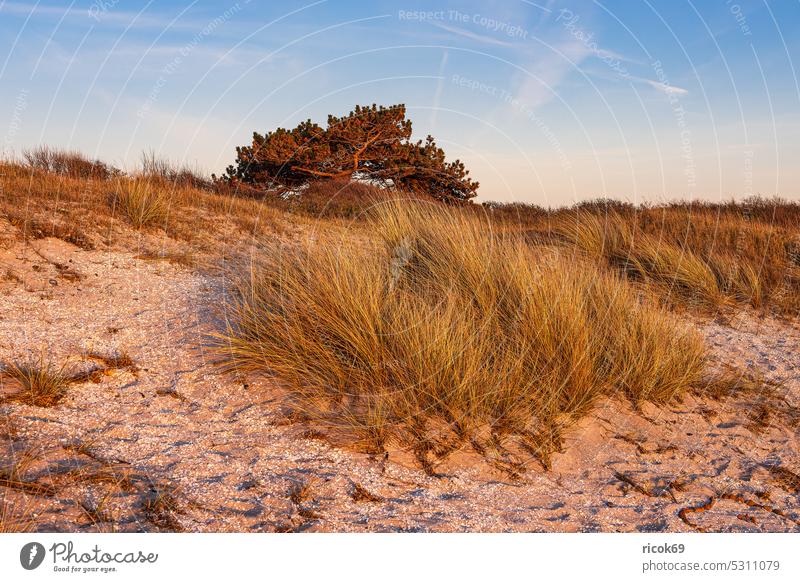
[(141, 202), (447, 330), (42, 383), (361, 493), (12, 474)]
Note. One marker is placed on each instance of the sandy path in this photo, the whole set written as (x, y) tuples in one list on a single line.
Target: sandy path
[(195, 449)]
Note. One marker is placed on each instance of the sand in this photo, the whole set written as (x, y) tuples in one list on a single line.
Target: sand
[(180, 445)]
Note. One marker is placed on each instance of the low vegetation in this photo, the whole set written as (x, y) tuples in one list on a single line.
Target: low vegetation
[(451, 330), (93, 213), (431, 325), (706, 254), (676, 270), (164, 170), (70, 164), (41, 382), (140, 202)]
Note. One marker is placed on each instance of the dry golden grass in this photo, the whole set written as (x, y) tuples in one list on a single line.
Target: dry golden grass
[(450, 328), (68, 163), (12, 474), (141, 202), (611, 238), (754, 259), (427, 326), (42, 383), (153, 166), (200, 222), (694, 256), (705, 255), (10, 522)]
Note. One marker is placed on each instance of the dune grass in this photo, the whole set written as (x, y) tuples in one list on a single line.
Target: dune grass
[(697, 254), (141, 202), (42, 382), (430, 326), (448, 330), (696, 257), (752, 249), (91, 214), (614, 239)]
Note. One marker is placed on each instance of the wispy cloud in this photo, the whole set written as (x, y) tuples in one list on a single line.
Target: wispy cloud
[(471, 35), (608, 54), (116, 17), (547, 71), (437, 97), (666, 89)]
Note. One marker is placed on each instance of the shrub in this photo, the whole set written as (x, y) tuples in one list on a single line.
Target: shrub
[(153, 166), (516, 214), (69, 163), (372, 143), (449, 330)]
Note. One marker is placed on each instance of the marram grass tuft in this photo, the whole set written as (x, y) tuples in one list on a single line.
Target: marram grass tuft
[(447, 327)]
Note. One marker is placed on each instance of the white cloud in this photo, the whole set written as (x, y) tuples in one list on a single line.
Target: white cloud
[(667, 89), (95, 16), (471, 35), (545, 73)]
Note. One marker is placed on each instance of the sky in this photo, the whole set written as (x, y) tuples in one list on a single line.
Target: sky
[(545, 102)]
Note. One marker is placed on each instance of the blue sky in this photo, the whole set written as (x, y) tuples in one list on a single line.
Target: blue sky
[(548, 102)]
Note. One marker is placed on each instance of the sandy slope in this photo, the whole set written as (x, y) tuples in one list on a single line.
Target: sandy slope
[(179, 445)]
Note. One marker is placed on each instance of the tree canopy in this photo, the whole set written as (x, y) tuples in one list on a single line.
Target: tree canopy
[(371, 143)]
